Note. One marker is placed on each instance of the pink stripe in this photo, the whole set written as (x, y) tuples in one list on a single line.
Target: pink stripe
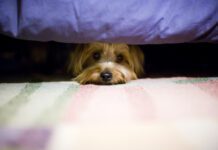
[(141, 103), (211, 87), (80, 102), (110, 104)]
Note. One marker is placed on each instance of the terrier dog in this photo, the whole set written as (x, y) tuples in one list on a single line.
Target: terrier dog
[(106, 63)]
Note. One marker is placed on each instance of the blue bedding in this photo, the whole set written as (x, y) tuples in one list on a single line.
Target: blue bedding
[(129, 21)]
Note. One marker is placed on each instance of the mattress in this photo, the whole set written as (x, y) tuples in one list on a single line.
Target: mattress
[(164, 113)]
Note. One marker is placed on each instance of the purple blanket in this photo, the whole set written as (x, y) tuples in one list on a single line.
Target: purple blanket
[(129, 21)]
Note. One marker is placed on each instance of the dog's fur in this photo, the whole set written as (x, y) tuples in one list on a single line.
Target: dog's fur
[(123, 62)]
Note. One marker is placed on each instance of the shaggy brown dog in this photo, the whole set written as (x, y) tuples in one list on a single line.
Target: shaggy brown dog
[(104, 63)]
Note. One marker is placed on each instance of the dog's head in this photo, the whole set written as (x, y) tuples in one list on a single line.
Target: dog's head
[(104, 63)]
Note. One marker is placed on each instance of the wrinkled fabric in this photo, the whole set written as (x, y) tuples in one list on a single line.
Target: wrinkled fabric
[(128, 21)]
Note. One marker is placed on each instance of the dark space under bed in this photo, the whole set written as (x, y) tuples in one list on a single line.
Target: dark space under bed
[(162, 60)]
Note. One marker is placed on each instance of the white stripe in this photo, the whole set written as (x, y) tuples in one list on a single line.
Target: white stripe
[(9, 90), (106, 65), (201, 134), (39, 101)]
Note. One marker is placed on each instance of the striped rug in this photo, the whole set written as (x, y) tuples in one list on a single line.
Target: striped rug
[(166, 113)]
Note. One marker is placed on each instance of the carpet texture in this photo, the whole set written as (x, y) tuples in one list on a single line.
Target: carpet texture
[(165, 113)]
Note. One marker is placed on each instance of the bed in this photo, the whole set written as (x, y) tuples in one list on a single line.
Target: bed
[(131, 21)]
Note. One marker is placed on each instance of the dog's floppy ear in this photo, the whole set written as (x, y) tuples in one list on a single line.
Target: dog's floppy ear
[(137, 60), (75, 60)]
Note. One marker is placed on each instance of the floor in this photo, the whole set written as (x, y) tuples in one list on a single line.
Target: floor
[(162, 113)]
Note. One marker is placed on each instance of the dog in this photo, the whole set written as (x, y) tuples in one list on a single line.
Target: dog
[(106, 63)]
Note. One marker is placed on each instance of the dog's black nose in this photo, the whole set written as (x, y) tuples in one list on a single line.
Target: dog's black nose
[(106, 76)]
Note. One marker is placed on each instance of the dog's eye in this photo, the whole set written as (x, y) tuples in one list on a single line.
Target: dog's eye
[(119, 58), (96, 55)]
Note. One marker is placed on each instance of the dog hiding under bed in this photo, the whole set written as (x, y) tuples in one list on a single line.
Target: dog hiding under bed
[(106, 63), (93, 63)]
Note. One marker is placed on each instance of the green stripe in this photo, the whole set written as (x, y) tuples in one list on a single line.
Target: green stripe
[(53, 114), (192, 80), (8, 110)]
